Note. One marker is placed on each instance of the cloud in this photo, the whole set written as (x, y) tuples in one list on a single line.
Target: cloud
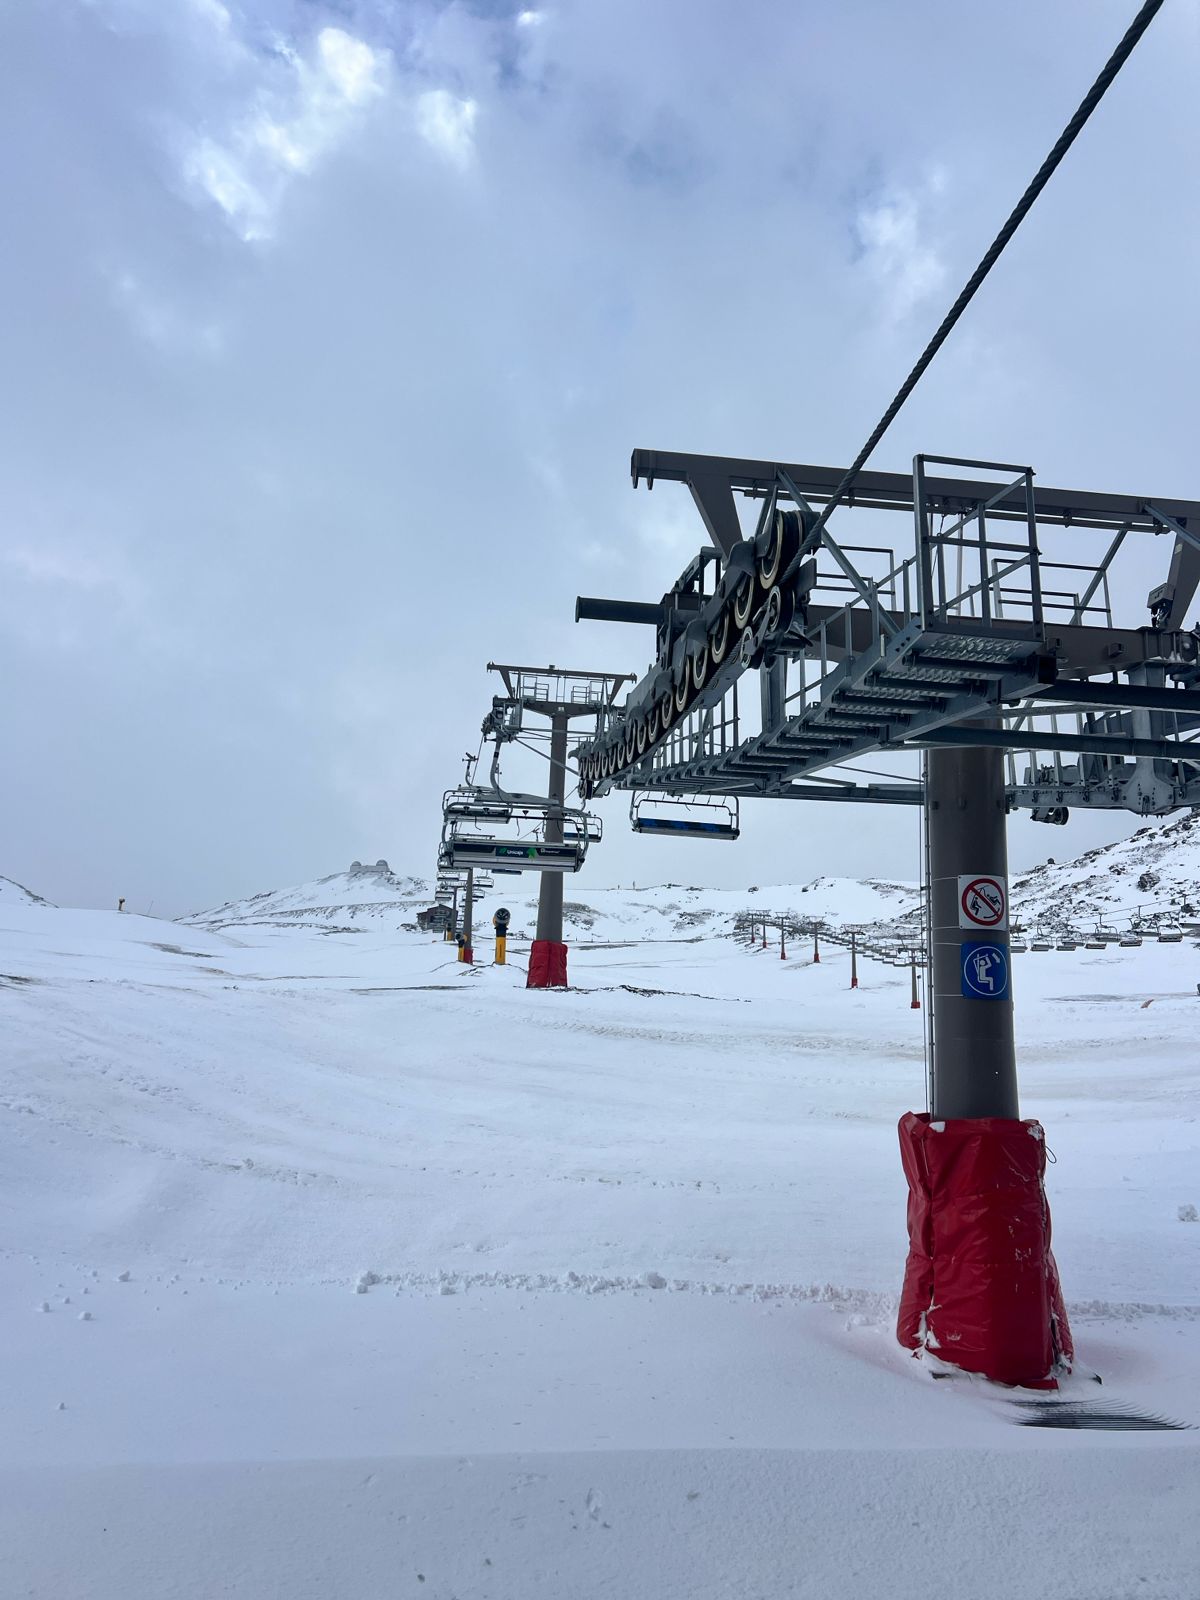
[(215, 15), (302, 109), (61, 594), (160, 323), (447, 125), (897, 251), (269, 511), (46, 564)]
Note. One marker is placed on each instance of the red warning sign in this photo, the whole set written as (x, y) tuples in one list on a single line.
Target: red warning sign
[(982, 902)]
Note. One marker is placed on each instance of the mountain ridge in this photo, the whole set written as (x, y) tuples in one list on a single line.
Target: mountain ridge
[(1153, 875)]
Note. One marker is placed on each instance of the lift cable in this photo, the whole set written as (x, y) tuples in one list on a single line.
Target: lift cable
[(875, 772), (545, 755), (1044, 173)]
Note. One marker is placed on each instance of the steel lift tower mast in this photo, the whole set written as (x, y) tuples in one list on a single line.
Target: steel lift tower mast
[(559, 695)]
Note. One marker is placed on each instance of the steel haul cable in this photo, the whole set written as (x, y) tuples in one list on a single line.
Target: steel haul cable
[(1018, 214), (1043, 175)]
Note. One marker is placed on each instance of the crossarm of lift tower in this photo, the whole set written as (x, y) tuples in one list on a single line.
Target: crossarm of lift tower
[(1004, 626), (558, 691)]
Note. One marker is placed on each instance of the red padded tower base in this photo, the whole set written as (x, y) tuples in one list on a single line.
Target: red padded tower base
[(981, 1290), (547, 965)]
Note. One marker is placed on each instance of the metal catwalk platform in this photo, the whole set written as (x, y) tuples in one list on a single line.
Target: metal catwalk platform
[(980, 637)]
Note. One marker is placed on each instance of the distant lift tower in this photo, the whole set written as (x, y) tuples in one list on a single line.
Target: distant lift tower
[(561, 696)]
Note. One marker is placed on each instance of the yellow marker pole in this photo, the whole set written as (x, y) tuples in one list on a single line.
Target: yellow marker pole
[(501, 948)]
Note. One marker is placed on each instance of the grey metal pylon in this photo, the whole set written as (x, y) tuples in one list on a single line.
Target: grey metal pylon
[(550, 896), (469, 908), (973, 1070)]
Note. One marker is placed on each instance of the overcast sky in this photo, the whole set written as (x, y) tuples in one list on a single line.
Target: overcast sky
[(329, 328)]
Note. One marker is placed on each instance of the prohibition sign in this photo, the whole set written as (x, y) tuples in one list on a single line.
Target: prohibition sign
[(982, 902)]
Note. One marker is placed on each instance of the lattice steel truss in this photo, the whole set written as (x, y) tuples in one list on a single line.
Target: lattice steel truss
[(1004, 627)]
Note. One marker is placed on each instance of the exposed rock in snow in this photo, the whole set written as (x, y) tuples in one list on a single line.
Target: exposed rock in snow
[(1155, 873)]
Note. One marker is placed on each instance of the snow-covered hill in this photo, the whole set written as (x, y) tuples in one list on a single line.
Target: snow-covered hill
[(376, 898), (673, 911), (363, 896), (16, 894), (1156, 872)]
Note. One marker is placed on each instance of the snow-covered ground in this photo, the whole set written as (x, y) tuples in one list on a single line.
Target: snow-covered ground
[(1156, 870), (366, 1274)]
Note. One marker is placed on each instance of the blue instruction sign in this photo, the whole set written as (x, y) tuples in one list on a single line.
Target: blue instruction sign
[(984, 971)]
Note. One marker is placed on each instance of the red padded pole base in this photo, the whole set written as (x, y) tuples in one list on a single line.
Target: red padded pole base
[(547, 965), (981, 1288), (468, 954)]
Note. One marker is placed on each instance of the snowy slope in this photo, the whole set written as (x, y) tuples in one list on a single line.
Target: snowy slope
[(375, 898), (16, 894), (362, 896), (1157, 871), (676, 910), (333, 1268)]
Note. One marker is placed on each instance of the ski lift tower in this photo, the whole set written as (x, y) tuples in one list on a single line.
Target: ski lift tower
[(560, 695), (1013, 633), (1000, 628)]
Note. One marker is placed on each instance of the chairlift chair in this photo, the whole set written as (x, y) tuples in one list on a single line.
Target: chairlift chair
[(704, 817), (519, 855), (581, 825), (470, 803), (471, 816)]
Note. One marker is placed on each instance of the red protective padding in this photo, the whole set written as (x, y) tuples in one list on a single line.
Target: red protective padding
[(468, 954), (547, 965), (981, 1289)]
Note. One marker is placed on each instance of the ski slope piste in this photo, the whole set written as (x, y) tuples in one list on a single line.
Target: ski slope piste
[(332, 1267)]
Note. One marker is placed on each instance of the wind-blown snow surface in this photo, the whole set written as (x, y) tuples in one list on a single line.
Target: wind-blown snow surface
[(369, 1275)]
